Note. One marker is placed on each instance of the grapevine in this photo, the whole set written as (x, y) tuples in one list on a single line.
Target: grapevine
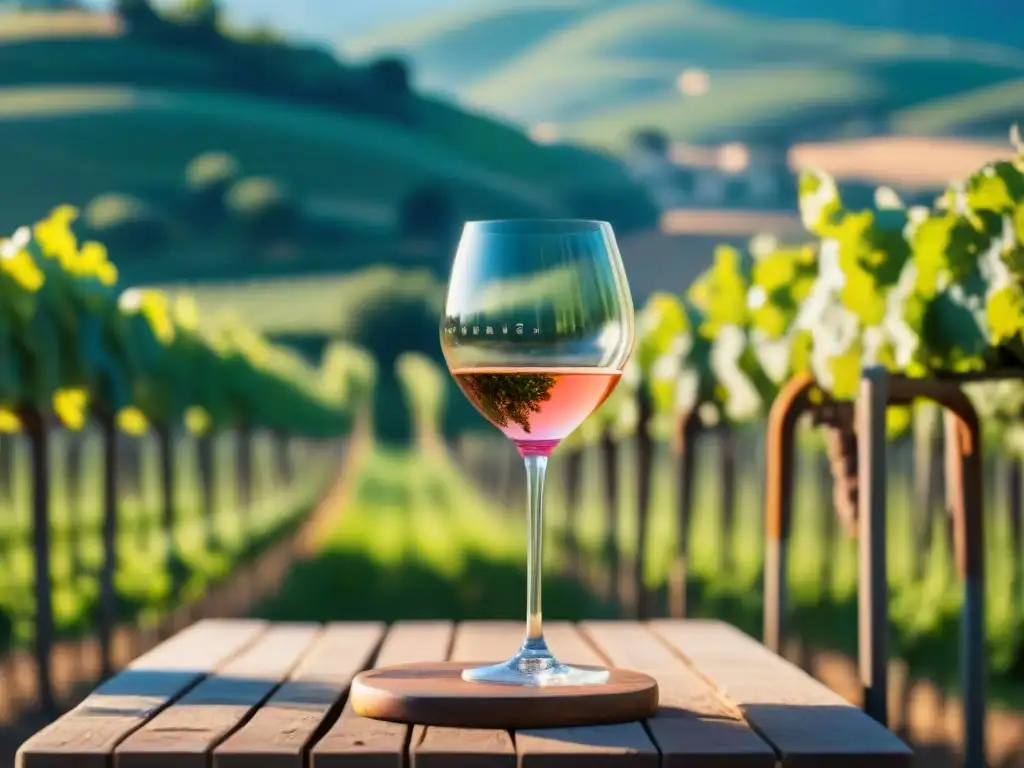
[(73, 343), (922, 290)]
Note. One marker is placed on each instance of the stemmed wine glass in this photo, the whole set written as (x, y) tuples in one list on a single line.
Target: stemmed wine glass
[(537, 326)]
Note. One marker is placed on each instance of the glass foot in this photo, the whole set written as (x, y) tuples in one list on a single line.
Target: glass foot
[(534, 665)]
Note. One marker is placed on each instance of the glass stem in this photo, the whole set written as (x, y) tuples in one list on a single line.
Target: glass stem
[(536, 467)]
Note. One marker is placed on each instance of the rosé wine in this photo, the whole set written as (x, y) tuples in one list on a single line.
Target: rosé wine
[(536, 408)]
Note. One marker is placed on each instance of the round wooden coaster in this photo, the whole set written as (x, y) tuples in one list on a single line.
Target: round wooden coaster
[(434, 693)]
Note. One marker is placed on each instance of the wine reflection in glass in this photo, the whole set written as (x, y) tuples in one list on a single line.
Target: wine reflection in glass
[(537, 327)]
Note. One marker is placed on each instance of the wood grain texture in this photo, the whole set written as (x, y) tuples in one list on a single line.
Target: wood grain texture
[(808, 724), (227, 694), (182, 735), (693, 726), (87, 735), (278, 733), (438, 747), (616, 744), (358, 742)]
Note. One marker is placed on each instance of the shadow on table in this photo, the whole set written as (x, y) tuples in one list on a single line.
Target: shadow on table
[(825, 733), (140, 694)]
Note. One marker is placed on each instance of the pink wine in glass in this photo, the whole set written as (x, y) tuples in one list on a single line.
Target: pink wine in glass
[(536, 408)]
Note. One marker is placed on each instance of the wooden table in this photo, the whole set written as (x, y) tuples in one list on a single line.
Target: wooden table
[(248, 694)]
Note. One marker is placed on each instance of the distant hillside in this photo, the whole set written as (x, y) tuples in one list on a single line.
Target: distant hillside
[(316, 19), (89, 106), (598, 69), (994, 21), (983, 20)]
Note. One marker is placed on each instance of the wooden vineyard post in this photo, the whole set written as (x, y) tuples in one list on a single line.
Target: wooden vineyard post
[(6, 499), (36, 430), (644, 472), (688, 432), (130, 467), (786, 410), (7, 447), (206, 462), (573, 486), (165, 438), (108, 593), (611, 551), (1015, 510), (872, 583), (964, 495), (243, 463), (825, 493), (73, 499), (927, 480), (964, 483), (727, 480)]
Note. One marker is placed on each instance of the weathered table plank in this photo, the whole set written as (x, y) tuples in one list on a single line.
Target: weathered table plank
[(808, 724), (278, 734), (622, 744), (183, 733), (225, 694), (358, 742), (692, 726), (86, 736), (436, 747)]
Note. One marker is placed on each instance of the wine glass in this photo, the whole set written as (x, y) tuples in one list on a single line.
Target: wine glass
[(537, 326)]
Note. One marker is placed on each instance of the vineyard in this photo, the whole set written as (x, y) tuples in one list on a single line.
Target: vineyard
[(122, 411), (919, 292), (148, 451)]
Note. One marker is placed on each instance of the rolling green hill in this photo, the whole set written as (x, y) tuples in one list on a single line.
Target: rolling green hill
[(460, 45), (100, 138), (600, 68), (87, 107), (993, 106)]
